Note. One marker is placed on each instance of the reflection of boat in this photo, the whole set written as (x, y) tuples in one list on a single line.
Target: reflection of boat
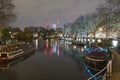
[(96, 57), (7, 65), (12, 52)]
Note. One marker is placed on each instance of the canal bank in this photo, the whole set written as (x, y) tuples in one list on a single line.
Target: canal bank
[(115, 75)]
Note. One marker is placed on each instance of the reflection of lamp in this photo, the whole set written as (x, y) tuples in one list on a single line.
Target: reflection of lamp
[(36, 43), (46, 47), (58, 51)]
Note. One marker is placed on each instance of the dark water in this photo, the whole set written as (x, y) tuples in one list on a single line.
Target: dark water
[(54, 60)]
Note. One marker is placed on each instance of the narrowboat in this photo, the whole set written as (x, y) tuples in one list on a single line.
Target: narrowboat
[(15, 51), (96, 57)]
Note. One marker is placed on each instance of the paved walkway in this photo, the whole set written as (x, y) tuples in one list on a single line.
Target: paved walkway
[(116, 66)]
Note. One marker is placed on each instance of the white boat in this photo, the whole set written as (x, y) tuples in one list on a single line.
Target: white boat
[(13, 52), (7, 56), (7, 65)]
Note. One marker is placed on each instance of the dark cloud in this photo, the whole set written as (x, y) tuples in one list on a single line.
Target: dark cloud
[(37, 12)]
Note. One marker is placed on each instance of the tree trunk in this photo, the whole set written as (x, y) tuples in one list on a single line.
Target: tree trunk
[(94, 34), (106, 33)]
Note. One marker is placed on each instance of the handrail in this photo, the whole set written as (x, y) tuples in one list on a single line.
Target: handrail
[(16, 50), (94, 59), (97, 73)]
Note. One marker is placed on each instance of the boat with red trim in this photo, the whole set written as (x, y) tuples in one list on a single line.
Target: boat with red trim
[(96, 57)]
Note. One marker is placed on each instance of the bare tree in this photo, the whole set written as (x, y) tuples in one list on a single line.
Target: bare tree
[(7, 12), (114, 5), (105, 17)]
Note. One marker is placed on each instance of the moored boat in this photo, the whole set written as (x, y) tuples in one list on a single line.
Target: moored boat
[(15, 51), (96, 57), (7, 65)]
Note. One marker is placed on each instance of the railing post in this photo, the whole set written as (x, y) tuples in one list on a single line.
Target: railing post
[(104, 76), (109, 68)]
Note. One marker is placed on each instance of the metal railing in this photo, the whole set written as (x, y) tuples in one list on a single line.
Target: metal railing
[(107, 72)]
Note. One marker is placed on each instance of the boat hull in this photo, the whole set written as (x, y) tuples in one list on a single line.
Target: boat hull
[(95, 64)]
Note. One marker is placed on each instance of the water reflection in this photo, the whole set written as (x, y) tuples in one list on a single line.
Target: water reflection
[(52, 47), (54, 60), (76, 54), (36, 43), (65, 48)]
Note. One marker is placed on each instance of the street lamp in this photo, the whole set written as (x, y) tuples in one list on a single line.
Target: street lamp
[(100, 29)]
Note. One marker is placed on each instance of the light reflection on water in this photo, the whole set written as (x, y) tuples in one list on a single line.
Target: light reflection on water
[(54, 60), (52, 47)]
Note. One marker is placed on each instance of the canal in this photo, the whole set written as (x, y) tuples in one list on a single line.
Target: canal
[(53, 60)]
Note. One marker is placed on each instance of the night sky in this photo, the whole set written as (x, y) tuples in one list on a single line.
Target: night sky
[(46, 12)]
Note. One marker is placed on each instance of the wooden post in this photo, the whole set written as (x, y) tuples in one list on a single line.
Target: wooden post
[(109, 68)]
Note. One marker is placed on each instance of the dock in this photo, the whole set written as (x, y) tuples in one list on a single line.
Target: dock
[(116, 66)]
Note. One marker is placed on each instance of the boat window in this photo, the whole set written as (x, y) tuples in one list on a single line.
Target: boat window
[(3, 55), (15, 52), (10, 54)]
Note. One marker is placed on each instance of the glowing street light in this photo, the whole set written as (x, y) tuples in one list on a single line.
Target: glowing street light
[(99, 40), (115, 43), (100, 29)]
